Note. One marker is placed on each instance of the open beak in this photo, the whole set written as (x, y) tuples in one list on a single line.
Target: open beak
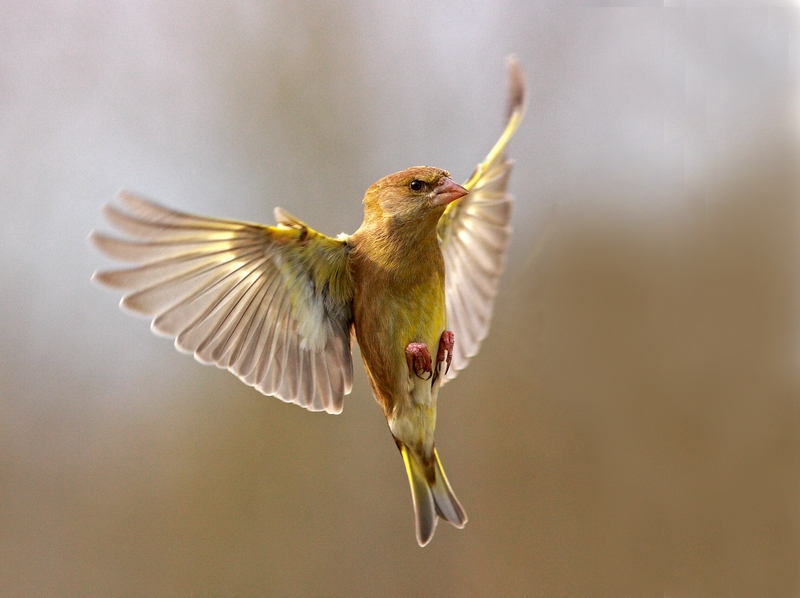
[(446, 191)]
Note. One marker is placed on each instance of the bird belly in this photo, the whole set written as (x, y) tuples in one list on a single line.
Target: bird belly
[(386, 322)]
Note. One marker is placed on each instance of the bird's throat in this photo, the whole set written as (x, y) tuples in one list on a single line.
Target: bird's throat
[(404, 251)]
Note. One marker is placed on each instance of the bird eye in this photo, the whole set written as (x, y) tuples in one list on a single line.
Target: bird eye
[(416, 185)]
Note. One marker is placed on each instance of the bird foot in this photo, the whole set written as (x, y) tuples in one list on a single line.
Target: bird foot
[(419, 360), (445, 352)]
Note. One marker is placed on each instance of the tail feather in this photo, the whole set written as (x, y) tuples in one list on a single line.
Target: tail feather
[(424, 506), (432, 499), (447, 505)]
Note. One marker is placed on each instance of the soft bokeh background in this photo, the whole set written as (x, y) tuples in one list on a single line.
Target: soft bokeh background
[(632, 425)]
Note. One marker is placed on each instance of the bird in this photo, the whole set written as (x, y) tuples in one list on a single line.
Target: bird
[(280, 306)]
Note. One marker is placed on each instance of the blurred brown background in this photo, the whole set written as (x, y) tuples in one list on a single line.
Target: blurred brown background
[(632, 425)]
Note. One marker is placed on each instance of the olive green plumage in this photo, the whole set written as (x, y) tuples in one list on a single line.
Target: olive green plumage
[(278, 305)]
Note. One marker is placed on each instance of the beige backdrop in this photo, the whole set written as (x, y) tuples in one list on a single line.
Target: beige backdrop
[(631, 426)]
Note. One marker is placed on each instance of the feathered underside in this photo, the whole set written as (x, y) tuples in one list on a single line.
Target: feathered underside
[(270, 304)]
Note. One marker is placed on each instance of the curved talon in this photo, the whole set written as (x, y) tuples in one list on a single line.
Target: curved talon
[(419, 360), (445, 352)]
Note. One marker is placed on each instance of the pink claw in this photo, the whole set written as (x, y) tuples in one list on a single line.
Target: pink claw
[(445, 352), (419, 360)]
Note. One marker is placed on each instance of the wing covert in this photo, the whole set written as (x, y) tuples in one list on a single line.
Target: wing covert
[(270, 304)]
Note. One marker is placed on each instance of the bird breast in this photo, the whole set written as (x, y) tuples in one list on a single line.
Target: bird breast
[(396, 302)]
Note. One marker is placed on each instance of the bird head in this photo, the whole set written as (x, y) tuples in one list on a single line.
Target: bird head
[(416, 194)]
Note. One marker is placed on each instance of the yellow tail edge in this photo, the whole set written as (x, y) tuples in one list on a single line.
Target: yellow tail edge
[(431, 499)]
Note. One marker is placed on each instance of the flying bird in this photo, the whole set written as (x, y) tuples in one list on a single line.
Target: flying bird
[(278, 306)]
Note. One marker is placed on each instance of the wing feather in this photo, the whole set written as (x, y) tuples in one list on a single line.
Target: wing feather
[(270, 304), (474, 233), (242, 332)]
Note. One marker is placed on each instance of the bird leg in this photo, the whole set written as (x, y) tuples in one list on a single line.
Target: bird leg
[(419, 360), (445, 353)]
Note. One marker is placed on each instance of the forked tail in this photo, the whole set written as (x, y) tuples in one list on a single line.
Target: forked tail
[(433, 497)]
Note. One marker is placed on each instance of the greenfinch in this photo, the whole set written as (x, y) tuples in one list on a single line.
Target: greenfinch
[(279, 305)]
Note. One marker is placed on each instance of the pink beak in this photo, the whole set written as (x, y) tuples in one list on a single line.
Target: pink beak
[(446, 191)]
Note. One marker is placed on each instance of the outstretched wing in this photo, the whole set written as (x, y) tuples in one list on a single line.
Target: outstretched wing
[(474, 234), (272, 304)]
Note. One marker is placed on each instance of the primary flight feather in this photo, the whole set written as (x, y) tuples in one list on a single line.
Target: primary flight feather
[(278, 305)]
